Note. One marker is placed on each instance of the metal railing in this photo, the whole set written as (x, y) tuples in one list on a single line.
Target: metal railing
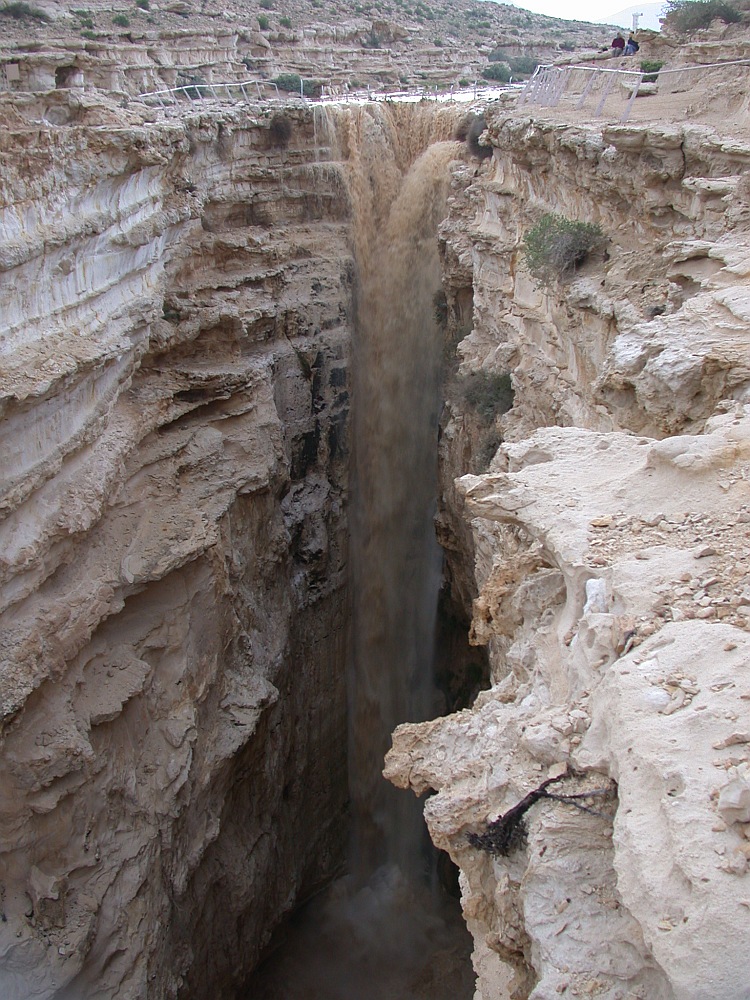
[(257, 90), (548, 84)]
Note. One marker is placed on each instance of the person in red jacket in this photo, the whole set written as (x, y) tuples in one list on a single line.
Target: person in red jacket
[(618, 44)]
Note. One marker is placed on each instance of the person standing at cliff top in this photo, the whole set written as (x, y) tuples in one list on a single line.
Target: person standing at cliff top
[(618, 44)]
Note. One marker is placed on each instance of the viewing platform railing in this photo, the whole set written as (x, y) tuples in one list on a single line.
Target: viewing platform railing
[(548, 84), (265, 91)]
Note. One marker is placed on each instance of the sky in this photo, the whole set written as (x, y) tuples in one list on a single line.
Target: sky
[(579, 10)]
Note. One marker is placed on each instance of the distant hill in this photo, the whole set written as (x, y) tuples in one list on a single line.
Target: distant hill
[(624, 18)]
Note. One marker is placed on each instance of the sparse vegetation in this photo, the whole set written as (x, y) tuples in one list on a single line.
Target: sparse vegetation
[(263, 23), (84, 16), (556, 246), (291, 82), (651, 69), (121, 20), (687, 16), (285, 22), (89, 34), (508, 832), (21, 11), (488, 394), (499, 72)]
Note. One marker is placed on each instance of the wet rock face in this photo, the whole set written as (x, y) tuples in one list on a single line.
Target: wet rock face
[(611, 549), (174, 603)]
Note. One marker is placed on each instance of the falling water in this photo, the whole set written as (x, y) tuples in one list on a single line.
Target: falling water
[(395, 555), (382, 932)]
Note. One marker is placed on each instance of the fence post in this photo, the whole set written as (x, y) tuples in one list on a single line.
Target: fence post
[(610, 83), (587, 89), (636, 88)]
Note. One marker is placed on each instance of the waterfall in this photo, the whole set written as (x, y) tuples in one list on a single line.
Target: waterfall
[(395, 556), (381, 932)]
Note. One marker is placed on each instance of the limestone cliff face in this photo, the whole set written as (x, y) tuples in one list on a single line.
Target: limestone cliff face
[(176, 308), (611, 553)]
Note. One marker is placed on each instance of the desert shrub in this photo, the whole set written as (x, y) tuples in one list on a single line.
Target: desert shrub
[(285, 22), (20, 10), (497, 55), (567, 46), (121, 20), (280, 130), (263, 23), (687, 16), (522, 65), (142, 4), (488, 394), (438, 42), (89, 34), (463, 82), (555, 246), (266, 4), (499, 72), (372, 41), (291, 82), (651, 69)]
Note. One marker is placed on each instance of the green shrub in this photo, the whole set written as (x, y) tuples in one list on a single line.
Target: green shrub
[(263, 23), (522, 65), (20, 10), (266, 4), (651, 69), (372, 41), (142, 4), (497, 55), (567, 46), (88, 33), (463, 82), (438, 42), (488, 394), (555, 246), (121, 21), (687, 16), (497, 71), (291, 82), (285, 22)]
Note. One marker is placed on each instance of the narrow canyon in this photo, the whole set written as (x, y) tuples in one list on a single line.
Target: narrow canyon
[(323, 517)]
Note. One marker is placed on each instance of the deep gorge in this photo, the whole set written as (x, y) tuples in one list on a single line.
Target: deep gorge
[(192, 314)]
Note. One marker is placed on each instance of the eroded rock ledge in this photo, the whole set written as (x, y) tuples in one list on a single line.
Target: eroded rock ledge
[(612, 545), (177, 323)]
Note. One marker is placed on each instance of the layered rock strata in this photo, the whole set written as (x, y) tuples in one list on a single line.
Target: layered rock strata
[(177, 309), (611, 541)]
